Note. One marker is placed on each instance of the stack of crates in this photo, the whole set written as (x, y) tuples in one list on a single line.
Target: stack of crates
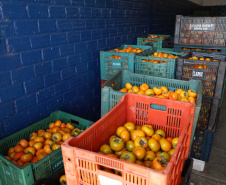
[(156, 40), (212, 75), (111, 62), (205, 39), (110, 95), (201, 34), (114, 60)]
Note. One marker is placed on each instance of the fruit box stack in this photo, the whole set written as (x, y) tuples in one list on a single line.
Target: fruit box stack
[(205, 37)]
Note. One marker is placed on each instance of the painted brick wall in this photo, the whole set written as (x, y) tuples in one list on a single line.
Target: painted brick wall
[(49, 54)]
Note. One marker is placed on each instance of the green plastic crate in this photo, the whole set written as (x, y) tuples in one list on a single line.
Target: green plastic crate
[(110, 96), (157, 43), (165, 70), (12, 174), (109, 66)]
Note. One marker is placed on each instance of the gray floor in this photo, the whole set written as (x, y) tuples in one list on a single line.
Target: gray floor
[(215, 170)]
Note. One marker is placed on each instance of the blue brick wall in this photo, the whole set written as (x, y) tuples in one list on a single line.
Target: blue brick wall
[(163, 14), (49, 55)]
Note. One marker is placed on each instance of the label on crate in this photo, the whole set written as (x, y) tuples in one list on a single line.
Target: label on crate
[(209, 27), (197, 74), (57, 164), (107, 181), (116, 64)]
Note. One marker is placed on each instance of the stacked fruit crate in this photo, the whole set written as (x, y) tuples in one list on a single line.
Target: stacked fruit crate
[(205, 39), (210, 69), (111, 95), (201, 34), (156, 40), (139, 59), (123, 57)]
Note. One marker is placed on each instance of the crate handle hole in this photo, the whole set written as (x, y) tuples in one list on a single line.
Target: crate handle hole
[(116, 172), (75, 122)]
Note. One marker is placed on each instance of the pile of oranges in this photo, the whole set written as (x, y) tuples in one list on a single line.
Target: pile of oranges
[(156, 37), (140, 145), (41, 143), (153, 37), (129, 49), (201, 58), (200, 66), (199, 49), (160, 55), (161, 92)]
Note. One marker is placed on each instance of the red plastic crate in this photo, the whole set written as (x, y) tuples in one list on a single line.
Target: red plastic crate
[(102, 83), (81, 162)]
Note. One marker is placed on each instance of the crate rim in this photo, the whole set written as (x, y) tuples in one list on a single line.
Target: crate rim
[(145, 36), (121, 71)]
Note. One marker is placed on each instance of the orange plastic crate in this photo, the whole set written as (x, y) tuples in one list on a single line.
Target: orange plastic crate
[(81, 162)]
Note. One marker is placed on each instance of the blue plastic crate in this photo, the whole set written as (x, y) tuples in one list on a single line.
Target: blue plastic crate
[(109, 66), (202, 144)]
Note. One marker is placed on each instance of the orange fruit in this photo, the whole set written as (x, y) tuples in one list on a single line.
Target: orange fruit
[(171, 56), (194, 58), (164, 55), (119, 130), (51, 125), (141, 93), (155, 54), (149, 92), (130, 48), (130, 91), (55, 129), (57, 123), (135, 89), (144, 87), (128, 86), (138, 51), (123, 90), (184, 100), (160, 55)]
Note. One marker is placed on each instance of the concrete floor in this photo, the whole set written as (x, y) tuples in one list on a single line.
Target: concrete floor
[(215, 170)]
